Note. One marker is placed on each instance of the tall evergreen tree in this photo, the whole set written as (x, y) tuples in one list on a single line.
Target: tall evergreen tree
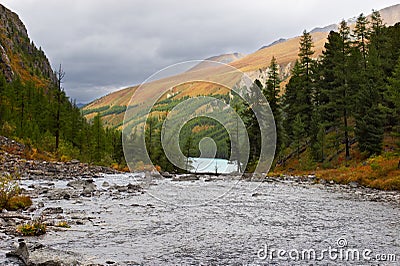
[(98, 139), (393, 97), (362, 35), (300, 91), (298, 132), (272, 88), (271, 93), (336, 69), (305, 55)]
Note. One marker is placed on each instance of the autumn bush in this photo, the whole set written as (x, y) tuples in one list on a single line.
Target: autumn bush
[(9, 194), (63, 224), (8, 188), (35, 228), (18, 203)]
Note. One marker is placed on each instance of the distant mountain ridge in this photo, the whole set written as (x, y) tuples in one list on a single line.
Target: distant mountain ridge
[(390, 16)]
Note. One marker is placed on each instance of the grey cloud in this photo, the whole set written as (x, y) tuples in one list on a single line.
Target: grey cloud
[(105, 44)]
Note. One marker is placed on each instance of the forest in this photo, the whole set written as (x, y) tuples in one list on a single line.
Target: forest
[(337, 110), (52, 127)]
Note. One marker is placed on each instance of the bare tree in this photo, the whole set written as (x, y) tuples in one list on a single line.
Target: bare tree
[(60, 74)]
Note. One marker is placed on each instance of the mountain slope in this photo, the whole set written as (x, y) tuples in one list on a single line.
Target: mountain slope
[(19, 56), (255, 65)]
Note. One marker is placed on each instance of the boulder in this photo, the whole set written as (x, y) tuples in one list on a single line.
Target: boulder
[(185, 178)]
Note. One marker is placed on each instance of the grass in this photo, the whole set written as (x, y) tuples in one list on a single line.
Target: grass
[(378, 172)]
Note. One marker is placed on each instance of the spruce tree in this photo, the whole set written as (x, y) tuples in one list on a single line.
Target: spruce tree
[(362, 35), (307, 64), (298, 132), (290, 98), (339, 92), (271, 92), (393, 98), (299, 98), (272, 88)]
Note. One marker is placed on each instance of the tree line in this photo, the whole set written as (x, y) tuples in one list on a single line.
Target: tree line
[(347, 98), (334, 107), (44, 118)]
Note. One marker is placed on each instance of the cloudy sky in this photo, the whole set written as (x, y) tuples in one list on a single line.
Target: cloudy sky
[(105, 45)]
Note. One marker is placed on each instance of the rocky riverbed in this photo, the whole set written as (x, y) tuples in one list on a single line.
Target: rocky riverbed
[(146, 219)]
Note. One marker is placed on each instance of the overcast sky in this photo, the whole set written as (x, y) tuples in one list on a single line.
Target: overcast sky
[(105, 45)]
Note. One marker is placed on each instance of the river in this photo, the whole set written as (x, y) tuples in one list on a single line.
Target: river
[(227, 222)]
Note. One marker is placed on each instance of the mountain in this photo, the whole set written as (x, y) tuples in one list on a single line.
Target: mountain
[(19, 55), (281, 40), (255, 65), (328, 28)]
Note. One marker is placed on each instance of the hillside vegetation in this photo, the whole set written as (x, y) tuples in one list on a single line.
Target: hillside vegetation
[(35, 110), (339, 115)]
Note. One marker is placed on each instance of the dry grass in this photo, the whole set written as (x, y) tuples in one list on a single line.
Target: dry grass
[(377, 172)]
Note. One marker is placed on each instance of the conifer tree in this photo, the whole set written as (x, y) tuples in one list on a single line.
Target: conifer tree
[(337, 88), (362, 35), (271, 93), (393, 97), (272, 88), (298, 132), (300, 91)]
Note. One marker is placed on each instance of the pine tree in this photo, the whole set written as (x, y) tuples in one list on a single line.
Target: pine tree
[(362, 35), (369, 121), (307, 63), (271, 93), (60, 76), (393, 97), (298, 133), (393, 93), (272, 88), (98, 139), (368, 114), (341, 97), (299, 98), (188, 149), (2, 105)]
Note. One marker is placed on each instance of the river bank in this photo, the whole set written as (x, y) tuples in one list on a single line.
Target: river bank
[(119, 219)]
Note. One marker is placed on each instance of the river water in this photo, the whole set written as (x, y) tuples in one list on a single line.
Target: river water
[(227, 222)]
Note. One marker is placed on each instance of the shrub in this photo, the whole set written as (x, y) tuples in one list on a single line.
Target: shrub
[(63, 224), (8, 188), (36, 228), (18, 202)]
